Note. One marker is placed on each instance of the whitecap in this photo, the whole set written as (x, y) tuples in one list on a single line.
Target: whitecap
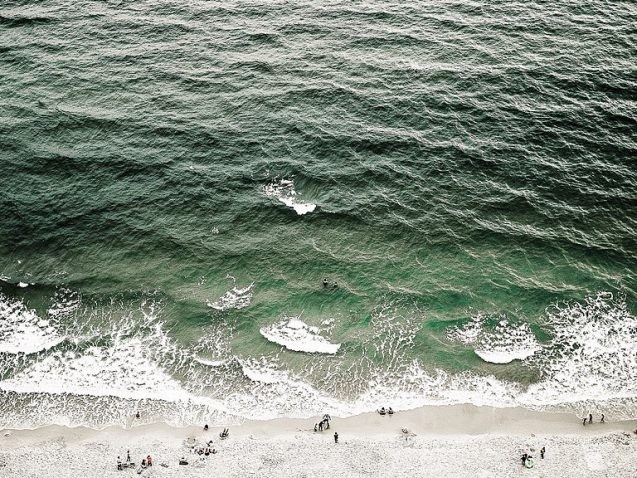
[(22, 331), (65, 301), (294, 334), (503, 343), (284, 191), (236, 298)]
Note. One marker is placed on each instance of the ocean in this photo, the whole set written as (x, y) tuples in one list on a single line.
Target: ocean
[(213, 211)]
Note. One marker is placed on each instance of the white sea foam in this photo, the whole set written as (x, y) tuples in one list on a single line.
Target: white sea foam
[(284, 191), (502, 343), (591, 358), (22, 331), (294, 334), (236, 298), (120, 370), (65, 301), (593, 353)]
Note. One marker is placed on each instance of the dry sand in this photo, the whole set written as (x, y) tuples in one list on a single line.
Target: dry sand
[(455, 441)]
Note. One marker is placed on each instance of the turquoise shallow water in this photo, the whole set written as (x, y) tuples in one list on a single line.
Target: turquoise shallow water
[(469, 163)]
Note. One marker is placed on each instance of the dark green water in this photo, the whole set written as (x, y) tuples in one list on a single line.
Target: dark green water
[(469, 162)]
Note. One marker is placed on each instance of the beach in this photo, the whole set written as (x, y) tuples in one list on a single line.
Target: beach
[(461, 441)]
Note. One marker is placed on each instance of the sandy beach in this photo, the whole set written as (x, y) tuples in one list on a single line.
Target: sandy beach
[(459, 441)]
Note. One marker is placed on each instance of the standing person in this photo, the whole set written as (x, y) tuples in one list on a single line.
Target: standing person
[(590, 418), (335, 437), (584, 422), (321, 426), (602, 420), (316, 427), (205, 427), (119, 463), (542, 452), (127, 456), (149, 460)]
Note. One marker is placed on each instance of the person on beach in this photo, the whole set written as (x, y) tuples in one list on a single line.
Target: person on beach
[(183, 461), (542, 452), (590, 418), (320, 426), (143, 462), (149, 461), (390, 411), (137, 415), (205, 427), (316, 427), (127, 456), (335, 437), (325, 283), (584, 422), (602, 420), (119, 464)]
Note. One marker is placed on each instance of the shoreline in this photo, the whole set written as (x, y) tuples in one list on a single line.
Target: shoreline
[(448, 440), (459, 419)]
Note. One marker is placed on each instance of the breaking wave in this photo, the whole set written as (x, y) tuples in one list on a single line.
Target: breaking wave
[(236, 298), (497, 340), (22, 331), (294, 334), (284, 191)]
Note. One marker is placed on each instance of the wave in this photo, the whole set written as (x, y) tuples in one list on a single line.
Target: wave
[(236, 298), (501, 343), (588, 362), (284, 191), (294, 334), (22, 331)]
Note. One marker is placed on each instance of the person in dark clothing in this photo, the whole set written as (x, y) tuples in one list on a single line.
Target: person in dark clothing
[(128, 456), (316, 427), (602, 420), (524, 457), (320, 426), (325, 283), (584, 422), (542, 452), (335, 437), (590, 418), (205, 427)]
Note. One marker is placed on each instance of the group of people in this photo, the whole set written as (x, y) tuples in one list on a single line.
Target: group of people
[(590, 419), (384, 411), (323, 424), (527, 460), (327, 285), (146, 462), (205, 450)]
